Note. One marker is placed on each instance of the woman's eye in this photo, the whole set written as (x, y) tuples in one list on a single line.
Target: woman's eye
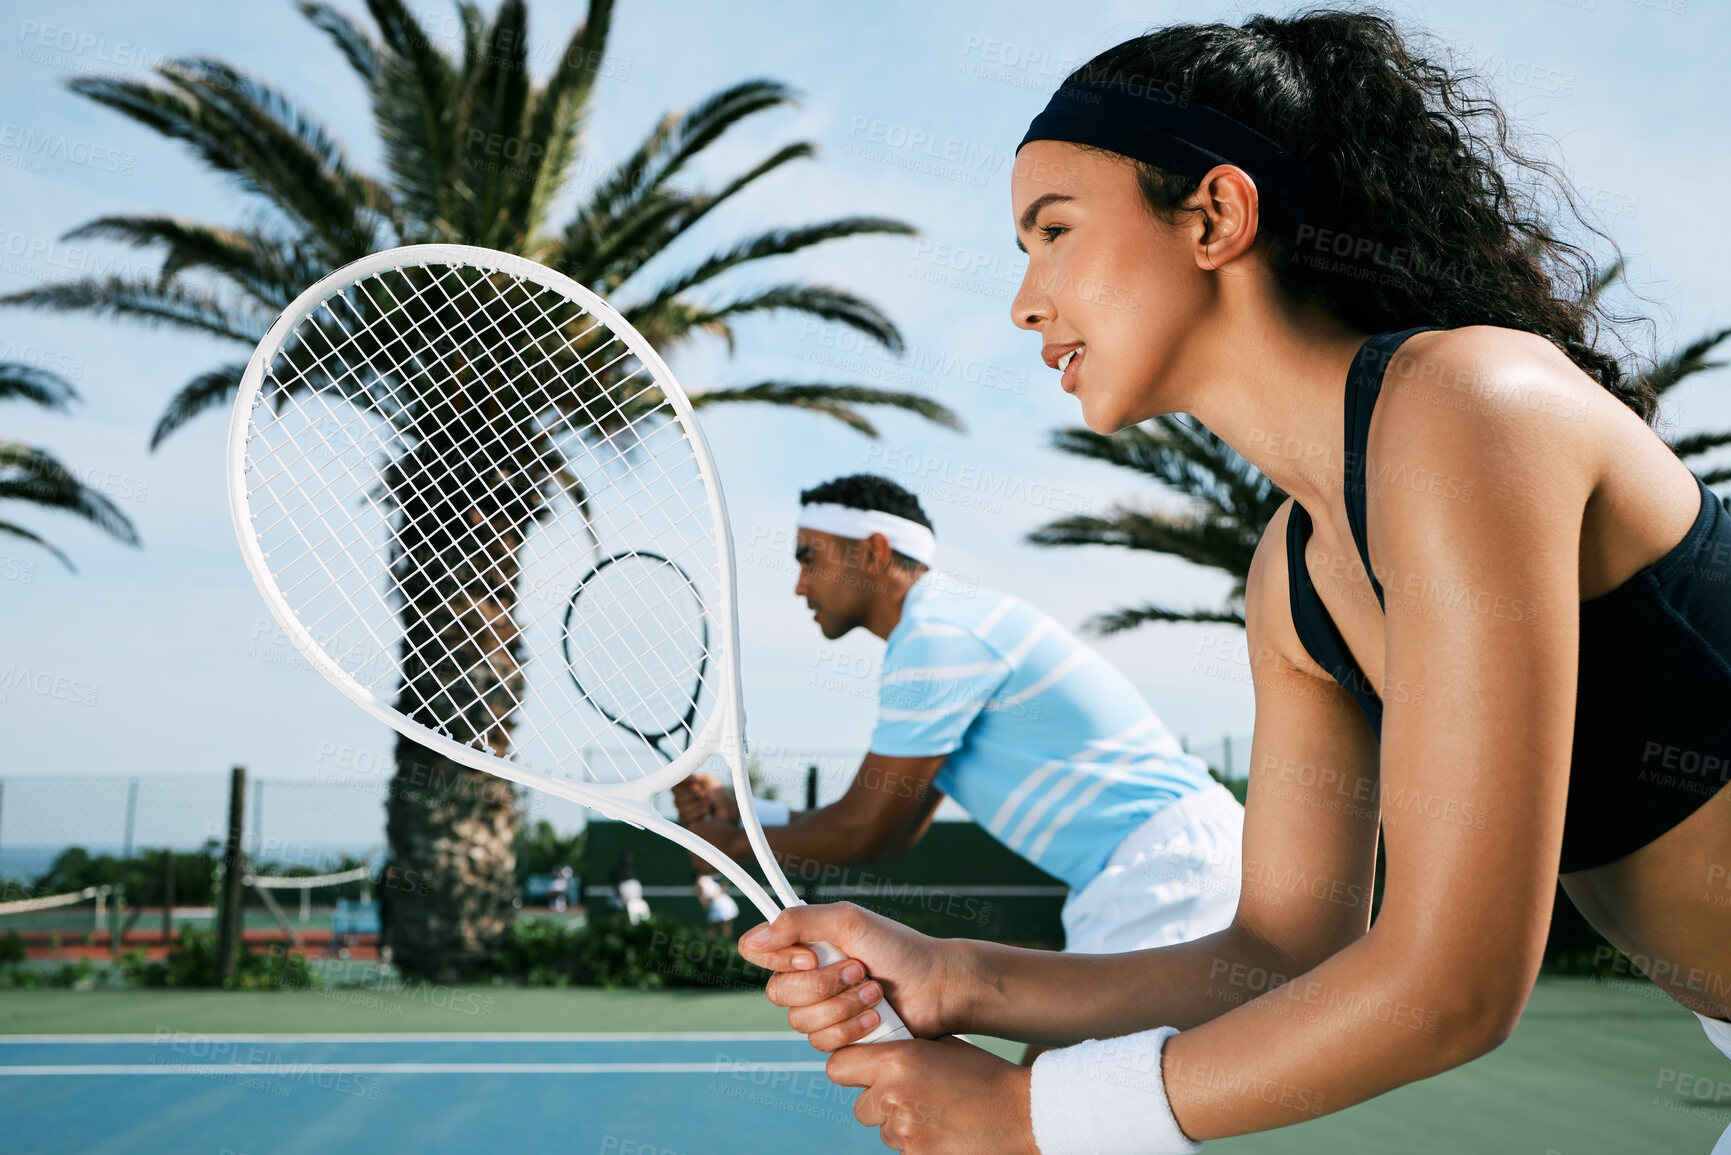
[(1050, 232)]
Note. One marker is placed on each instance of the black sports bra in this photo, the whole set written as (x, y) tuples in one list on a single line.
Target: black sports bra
[(1653, 687)]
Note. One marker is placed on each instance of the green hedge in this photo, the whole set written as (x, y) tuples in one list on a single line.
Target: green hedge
[(610, 952)]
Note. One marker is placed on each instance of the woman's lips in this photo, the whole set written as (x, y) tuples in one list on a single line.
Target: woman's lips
[(1071, 363)]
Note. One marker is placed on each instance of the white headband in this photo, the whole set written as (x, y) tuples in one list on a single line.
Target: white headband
[(908, 538)]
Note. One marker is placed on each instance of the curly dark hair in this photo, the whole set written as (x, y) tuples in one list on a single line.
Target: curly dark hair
[(1444, 216), (867, 491)]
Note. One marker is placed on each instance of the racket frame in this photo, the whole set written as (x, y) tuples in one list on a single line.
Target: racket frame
[(651, 740), (723, 730)]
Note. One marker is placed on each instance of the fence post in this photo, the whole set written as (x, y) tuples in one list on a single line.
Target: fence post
[(167, 897), (258, 817), (233, 868), (809, 890), (131, 819)]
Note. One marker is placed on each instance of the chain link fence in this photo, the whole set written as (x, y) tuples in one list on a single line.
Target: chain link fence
[(338, 814)]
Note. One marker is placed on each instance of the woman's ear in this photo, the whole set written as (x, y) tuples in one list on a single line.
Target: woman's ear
[(1227, 201)]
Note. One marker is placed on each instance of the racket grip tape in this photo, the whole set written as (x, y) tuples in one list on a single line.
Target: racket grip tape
[(890, 1027)]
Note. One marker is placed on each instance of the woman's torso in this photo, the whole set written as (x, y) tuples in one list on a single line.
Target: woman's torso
[(1667, 904)]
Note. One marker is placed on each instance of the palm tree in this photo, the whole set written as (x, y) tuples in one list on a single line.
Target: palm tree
[(35, 477), (476, 153), (1231, 501)]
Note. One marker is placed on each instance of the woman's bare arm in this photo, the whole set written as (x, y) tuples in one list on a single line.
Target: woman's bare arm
[(1481, 630)]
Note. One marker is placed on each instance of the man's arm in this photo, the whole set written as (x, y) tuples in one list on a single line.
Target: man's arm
[(885, 810)]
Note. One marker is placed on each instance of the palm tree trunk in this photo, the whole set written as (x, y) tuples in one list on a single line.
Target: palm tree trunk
[(451, 830)]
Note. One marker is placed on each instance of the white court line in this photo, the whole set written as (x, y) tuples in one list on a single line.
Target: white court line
[(413, 1037), (298, 1069)]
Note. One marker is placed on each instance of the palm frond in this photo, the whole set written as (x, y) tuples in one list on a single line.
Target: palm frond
[(355, 45), (242, 127), (1687, 362), (557, 117), (8, 529), (1696, 444), (268, 268), (414, 107), (836, 401), (781, 242), (1187, 458), (1221, 543), (589, 242), (831, 304), (34, 476), (1603, 280), (208, 390), (175, 304), (1128, 618), (20, 382), (706, 121), (663, 218), (492, 108), (1716, 476)]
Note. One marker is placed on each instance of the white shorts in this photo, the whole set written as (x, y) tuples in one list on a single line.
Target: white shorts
[(1172, 879), (722, 908), (1719, 1031)]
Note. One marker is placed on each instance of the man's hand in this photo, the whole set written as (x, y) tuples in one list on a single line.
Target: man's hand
[(944, 1096), (702, 798), (835, 1005)]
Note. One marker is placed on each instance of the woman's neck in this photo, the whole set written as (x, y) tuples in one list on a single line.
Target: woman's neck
[(1269, 379)]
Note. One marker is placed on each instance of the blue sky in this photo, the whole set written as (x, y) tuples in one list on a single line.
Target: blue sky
[(166, 659)]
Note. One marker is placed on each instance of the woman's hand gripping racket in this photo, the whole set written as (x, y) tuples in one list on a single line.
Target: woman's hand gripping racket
[(429, 438)]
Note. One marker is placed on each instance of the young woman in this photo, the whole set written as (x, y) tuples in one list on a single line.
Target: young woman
[(1494, 620)]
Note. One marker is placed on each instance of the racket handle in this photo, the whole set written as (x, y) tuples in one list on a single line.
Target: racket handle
[(890, 1028)]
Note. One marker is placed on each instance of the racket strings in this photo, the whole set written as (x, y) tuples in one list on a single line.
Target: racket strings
[(484, 398)]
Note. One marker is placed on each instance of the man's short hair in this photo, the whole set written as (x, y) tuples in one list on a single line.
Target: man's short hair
[(869, 491)]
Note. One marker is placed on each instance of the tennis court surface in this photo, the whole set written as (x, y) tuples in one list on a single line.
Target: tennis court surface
[(1594, 1069)]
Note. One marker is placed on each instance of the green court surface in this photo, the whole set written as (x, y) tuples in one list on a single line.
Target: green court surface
[(1593, 1069)]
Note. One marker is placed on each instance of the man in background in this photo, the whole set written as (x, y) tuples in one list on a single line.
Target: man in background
[(985, 699)]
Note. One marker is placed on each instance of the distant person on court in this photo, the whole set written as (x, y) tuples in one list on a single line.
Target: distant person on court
[(628, 891), (987, 700), (719, 909)]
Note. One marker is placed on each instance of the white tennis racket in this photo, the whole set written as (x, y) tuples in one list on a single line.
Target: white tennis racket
[(431, 449)]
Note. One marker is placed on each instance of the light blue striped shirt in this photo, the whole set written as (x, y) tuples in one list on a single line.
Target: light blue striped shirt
[(1050, 746)]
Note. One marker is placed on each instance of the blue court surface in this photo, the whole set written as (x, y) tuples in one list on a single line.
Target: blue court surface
[(609, 1094)]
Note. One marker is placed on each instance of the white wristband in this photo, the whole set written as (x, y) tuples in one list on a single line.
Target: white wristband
[(1106, 1097), (771, 813)]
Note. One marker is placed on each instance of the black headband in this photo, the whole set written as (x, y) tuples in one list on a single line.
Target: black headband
[(1156, 125)]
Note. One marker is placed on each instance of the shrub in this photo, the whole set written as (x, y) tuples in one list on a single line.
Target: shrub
[(610, 952), (194, 965)]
